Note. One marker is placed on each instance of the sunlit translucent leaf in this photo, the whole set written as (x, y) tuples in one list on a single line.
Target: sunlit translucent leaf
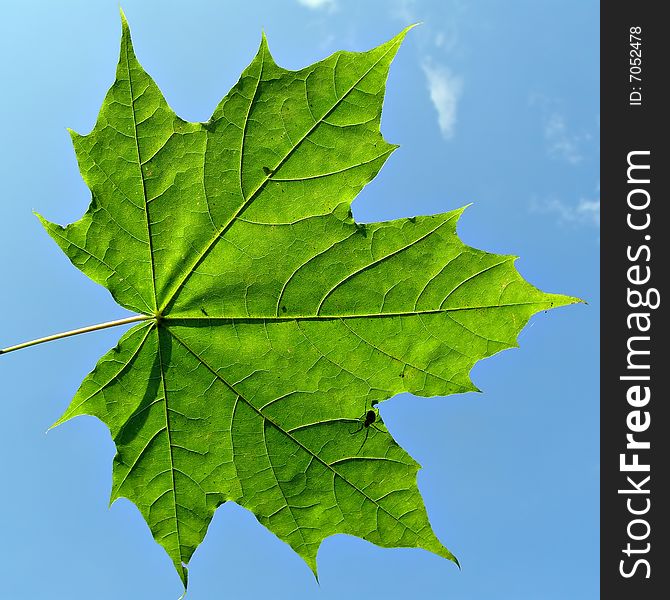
[(278, 322)]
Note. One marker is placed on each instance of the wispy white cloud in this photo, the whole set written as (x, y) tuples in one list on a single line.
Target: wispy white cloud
[(319, 4), (561, 142), (562, 139), (445, 90), (589, 211), (586, 211), (443, 85), (438, 29), (404, 10)]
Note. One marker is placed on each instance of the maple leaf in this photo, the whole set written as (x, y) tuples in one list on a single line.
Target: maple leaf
[(270, 323)]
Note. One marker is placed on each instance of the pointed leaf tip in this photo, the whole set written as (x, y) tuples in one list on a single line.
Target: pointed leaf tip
[(48, 225), (74, 135), (264, 42), (558, 300), (401, 36), (264, 49), (124, 21), (125, 31)]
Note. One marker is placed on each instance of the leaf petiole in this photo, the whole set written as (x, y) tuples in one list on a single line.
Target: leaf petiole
[(58, 336)]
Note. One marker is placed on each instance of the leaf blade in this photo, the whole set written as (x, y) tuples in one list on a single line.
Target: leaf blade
[(278, 322)]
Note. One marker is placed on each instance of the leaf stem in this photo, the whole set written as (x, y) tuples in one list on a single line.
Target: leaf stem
[(58, 336)]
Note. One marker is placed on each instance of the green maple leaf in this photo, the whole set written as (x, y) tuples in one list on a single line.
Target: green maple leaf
[(271, 323)]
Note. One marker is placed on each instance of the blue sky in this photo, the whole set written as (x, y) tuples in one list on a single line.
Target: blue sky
[(494, 103)]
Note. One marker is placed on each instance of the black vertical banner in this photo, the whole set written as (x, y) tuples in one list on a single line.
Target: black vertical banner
[(635, 259)]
